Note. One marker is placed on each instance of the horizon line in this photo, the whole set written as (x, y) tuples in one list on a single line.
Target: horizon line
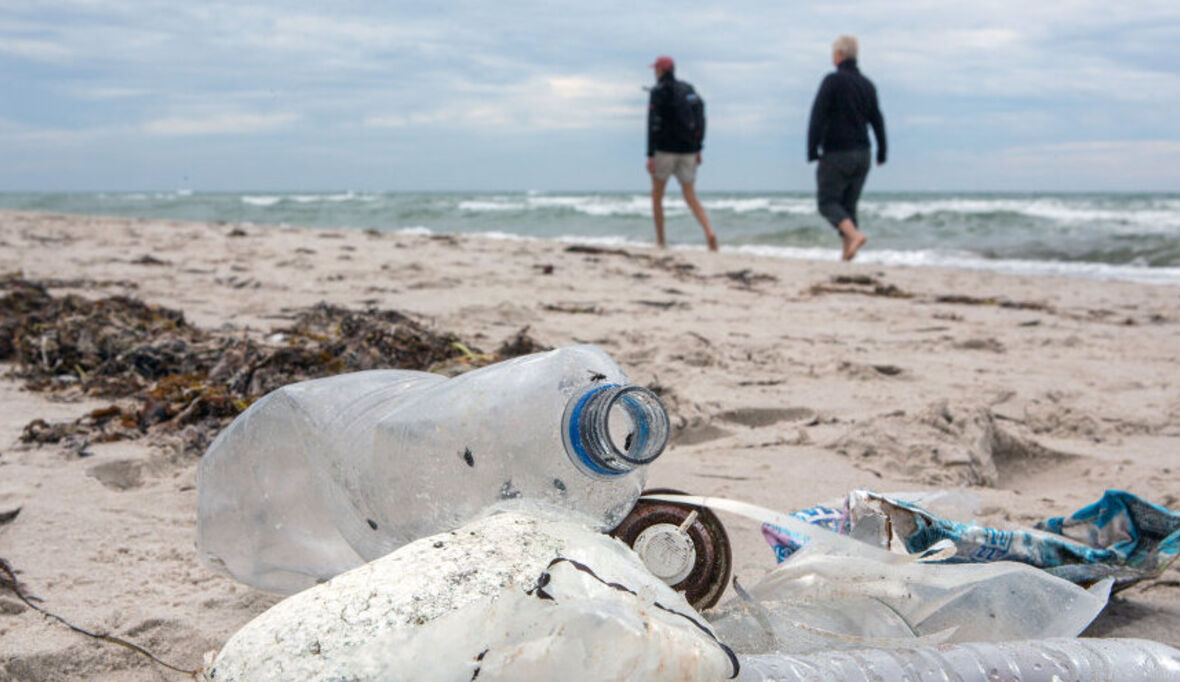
[(811, 191)]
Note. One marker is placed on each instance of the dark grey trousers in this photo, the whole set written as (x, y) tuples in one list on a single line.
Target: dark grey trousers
[(839, 178)]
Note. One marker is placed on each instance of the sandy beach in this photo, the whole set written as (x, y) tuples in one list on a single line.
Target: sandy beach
[(789, 383)]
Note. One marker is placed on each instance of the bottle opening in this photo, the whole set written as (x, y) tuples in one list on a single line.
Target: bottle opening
[(611, 429)]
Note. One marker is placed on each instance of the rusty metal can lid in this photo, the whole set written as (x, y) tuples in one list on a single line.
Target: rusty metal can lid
[(683, 545)]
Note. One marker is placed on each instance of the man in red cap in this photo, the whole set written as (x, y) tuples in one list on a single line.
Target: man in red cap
[(675, 133)]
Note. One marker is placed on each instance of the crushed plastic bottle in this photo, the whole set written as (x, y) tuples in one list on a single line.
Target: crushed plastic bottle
[(1049, 660), (321, 476), (819, 599), (550, 600)]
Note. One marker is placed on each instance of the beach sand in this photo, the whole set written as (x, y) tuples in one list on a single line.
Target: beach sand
[(789, 383)]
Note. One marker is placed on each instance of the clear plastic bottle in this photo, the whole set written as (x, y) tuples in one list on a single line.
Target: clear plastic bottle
[(1046, 660), (320, 476)]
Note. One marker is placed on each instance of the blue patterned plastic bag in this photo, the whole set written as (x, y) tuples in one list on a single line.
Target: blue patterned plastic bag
[(1121, 536)]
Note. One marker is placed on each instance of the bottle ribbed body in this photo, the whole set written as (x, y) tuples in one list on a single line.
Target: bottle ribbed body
[(1047, 660), (320, 476)]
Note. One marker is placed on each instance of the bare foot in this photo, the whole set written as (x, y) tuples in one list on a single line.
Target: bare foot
[(712, 239), (853, 244)]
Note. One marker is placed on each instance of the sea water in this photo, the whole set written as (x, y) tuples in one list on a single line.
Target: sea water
[(1111, 236)]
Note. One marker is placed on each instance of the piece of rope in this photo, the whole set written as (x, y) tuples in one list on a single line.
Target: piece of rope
[(12, 584)]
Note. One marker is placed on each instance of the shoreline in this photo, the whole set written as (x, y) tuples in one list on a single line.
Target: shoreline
[(776, 372), (1101, 236)]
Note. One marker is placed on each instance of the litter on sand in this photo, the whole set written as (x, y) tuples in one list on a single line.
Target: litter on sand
[(455, 529), (1121, 536)]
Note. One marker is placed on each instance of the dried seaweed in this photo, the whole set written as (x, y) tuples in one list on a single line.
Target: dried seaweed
[(962, 299), (165, 374), (521, 344), (661, 262), (883, 290), (748, 278)]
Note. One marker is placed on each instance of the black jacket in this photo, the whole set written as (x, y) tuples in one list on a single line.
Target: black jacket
[(665, 132), (844, 106)]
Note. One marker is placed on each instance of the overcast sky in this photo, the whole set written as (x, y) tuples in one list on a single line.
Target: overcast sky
[(985, 95)]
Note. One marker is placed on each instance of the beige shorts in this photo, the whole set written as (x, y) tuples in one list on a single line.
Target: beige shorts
[(683, 166)]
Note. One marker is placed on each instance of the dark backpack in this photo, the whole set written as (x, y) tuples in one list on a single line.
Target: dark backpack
[(689, 115)]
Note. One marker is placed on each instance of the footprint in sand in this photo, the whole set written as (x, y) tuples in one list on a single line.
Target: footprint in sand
[(123, 474)]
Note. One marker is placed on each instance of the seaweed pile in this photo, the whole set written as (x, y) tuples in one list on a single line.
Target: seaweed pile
[(172, 379)]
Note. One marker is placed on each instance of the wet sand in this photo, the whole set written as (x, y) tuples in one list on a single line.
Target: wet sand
[(789, 384)]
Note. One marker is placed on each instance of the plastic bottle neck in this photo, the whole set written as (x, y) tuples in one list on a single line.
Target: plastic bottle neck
[(611, 429)]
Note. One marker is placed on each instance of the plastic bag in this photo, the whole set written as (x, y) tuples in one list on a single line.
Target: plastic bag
[(958, 602)]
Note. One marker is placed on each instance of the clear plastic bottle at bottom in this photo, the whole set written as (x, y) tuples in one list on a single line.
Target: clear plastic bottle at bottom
[(1047, 660), (320, 476)]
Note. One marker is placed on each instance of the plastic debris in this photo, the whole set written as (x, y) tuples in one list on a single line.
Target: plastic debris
[(1049, 660), (814, 601), (685, 546), (320, 476), (1121, 536), (508, 597)]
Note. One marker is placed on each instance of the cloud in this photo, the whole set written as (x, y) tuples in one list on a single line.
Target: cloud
[(543, 102), (1098, 152), (98, 92), (16, 134), (37, 50), (220, 124), (972, 77), (1123, 165)]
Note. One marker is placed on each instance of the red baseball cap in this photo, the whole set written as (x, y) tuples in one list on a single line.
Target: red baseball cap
[(664, 63)]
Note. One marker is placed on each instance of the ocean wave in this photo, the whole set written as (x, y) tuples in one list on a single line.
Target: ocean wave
[(416, 231), (970, 261), (331, 198), (262, 201), (588, 205), (1155, 216), (612, 241), (773, 205), (637, 205), (479, 206)]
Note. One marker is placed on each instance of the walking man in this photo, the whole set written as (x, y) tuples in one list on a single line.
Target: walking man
[(675, 133), (844, 106)]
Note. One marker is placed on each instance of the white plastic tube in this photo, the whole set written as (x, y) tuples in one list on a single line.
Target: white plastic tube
[(1047, 660)]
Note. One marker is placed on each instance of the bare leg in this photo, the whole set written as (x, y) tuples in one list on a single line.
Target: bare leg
[(852, 237), (690, 198), (657, 208)]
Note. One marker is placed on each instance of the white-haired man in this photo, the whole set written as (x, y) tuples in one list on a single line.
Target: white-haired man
[(837, 137)]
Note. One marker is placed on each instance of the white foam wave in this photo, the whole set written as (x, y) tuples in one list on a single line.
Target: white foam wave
[(774, 205), (1161, 215), (504, 236), (612, 241), (636, 205), (271, 200), (967, 261), (633, 206), (478, 206), (262, 201), (415, 231), (331, 198)]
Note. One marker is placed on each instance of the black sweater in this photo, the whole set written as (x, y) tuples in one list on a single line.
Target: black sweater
[(664, 132), (844, 106)]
